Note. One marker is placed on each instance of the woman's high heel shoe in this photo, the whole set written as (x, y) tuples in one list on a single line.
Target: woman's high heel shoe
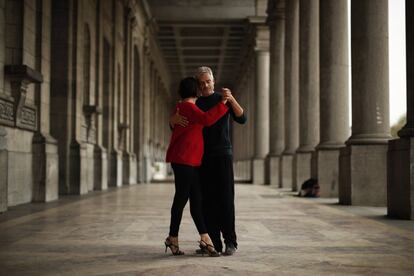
[(175, 250), (209, 249)]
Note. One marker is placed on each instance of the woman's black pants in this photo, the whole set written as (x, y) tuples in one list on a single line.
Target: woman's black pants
[(187, 186)]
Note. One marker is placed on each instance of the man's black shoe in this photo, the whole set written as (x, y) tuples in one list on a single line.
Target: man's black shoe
[(230, 250), (203, 251)]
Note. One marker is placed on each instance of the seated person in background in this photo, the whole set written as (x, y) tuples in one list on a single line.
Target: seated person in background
[(309, 188)]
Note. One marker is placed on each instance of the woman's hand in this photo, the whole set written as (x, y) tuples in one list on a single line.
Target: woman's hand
[(177, 119)]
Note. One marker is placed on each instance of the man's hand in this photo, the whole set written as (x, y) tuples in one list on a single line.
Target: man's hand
[(226, 93), (228, 96), (177, 119)]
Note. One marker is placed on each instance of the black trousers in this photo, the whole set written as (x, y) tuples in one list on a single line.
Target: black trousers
[(187, 186), (217, 185)]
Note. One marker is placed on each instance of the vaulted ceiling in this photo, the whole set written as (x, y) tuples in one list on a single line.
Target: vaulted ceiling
[(193, 33)]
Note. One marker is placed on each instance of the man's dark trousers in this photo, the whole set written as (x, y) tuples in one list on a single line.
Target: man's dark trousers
[(217, 183)]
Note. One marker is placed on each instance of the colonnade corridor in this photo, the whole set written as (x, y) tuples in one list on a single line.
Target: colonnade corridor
[(121, 232)]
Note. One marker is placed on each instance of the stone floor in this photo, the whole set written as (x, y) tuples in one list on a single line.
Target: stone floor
[(121, 232)]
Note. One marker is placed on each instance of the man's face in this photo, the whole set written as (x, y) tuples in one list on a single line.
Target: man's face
[(206, 83)]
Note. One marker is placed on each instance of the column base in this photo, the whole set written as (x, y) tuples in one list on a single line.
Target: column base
[(147, 170), (78, 184), (273, 167), (45, 168), (258, 171), (363, 175), (242, 171), (90, 168), (100, 162), (327, 162), (132, 169), (128, 168), (287, 172), (160, 171), (116, 169), (140, 170), (302, 168), (144, 169), (400, 187)]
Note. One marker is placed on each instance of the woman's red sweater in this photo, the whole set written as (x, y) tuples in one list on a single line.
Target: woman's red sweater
[(187, 144)]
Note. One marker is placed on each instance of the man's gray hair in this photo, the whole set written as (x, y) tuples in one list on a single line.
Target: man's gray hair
[(204, 70)]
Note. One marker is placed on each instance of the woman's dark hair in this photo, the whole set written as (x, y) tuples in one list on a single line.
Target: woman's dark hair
[(188, 88)]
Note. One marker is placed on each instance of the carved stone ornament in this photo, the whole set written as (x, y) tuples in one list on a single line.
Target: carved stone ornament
[(21, 115), (262, 38), (6, 111)]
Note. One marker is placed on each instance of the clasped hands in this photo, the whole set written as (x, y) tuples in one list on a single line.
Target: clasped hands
[(177, 119)]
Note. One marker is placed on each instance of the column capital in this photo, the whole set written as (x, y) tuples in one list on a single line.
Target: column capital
[(257, 20), (262, 37)]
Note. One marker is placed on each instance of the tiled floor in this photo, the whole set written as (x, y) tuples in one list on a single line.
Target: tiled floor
[(121, 232)]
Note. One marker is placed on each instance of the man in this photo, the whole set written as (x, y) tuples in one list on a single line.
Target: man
[(216, 171)]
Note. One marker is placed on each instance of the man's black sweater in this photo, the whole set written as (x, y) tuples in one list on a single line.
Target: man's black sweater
[(216, 137)]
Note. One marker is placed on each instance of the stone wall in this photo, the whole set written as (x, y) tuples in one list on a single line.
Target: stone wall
[(79, 83)]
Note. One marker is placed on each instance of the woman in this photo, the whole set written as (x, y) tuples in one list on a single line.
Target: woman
[(184, 153)]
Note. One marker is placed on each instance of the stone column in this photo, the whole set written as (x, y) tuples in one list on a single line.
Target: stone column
[(400, 188), (276, 21), (291, 93), (66, 97), (128, 156), (133, 178), (363, 163), (79, 164), (45, 157), (2, 42), (4, 169), (261, 132), (334, 79), (252, 115), (3, 133), (308, 90), (100, 161), (146, 162), (116, 162)]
